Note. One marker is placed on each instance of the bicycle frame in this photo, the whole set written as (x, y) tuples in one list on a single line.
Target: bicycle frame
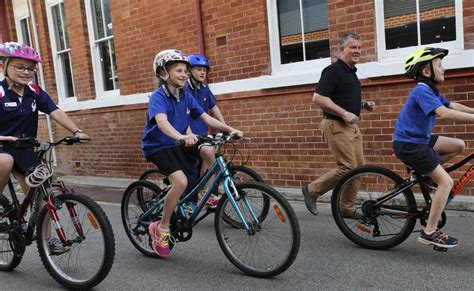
[(34, 197), (219, 167), (418, 180)]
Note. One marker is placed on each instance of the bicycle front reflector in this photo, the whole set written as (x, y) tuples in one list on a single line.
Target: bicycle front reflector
[(279, 213), (362, 228), (92, 220)]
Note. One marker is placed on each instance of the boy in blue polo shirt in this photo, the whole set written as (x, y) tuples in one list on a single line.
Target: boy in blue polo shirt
[(168, 118), (416, 146), (199, 67)]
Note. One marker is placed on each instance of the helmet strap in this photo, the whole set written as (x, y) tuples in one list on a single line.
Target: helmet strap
[(195, 81)]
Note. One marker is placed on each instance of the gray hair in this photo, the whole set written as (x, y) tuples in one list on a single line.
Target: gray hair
[(345, 38)]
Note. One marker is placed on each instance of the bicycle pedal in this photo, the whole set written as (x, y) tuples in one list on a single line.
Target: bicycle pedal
[(440, 249)]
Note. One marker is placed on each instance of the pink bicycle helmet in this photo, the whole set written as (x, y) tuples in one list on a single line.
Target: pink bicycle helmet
[(165, 57), (16, 50)]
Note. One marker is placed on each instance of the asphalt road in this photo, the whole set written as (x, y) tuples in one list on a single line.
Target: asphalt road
[(327, 260)]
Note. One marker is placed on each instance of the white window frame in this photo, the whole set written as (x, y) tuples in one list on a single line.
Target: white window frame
[(59, 70), (279, 69), (384, 55), (95, 53)]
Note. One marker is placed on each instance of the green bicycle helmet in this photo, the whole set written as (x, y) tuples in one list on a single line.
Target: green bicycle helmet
[(421, 57)]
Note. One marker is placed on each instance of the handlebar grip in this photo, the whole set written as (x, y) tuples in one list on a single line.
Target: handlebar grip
[(180, 142)]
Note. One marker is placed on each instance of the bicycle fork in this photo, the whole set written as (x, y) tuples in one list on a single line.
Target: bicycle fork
[(229, 187)]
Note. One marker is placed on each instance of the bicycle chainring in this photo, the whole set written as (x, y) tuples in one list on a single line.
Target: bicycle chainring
[(181, 229)]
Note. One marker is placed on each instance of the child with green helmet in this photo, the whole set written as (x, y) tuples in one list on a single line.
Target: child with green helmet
[(413, 141)]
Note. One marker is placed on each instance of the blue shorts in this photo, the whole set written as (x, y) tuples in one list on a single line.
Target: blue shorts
[(421, 157)]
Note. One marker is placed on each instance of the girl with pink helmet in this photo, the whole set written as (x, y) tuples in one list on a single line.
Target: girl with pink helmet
[(20, 103)]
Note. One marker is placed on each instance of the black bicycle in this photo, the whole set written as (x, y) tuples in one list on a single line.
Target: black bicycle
[(74, 237), (376, 209)]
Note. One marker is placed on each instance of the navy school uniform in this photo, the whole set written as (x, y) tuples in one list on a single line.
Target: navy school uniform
[(19, 116)]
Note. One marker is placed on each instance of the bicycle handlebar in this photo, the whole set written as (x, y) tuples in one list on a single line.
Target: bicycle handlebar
[(211, 140)]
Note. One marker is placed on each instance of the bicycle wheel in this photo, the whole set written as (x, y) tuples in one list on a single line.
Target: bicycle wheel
[(132, 209), (272, 245), (11, 247), (242, 174), (154, 176), (370, 225), (89, 256)]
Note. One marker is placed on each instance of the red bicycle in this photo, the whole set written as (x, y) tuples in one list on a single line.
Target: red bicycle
[(74, 236)]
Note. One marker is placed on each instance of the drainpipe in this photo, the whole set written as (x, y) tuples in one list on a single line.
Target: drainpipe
[(41, 74), (199, 27)]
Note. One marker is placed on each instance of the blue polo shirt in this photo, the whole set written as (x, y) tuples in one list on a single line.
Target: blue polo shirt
[(417, 117), (179, 113), (21, 117), (206, 100)]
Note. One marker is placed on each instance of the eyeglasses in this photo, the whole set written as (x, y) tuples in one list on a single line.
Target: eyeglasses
[(21, 69)]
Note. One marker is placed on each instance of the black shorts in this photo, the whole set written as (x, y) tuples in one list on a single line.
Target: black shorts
[(174, 159), (421, 157), (25, 158)]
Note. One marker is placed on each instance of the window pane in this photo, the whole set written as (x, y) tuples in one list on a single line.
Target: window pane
[(316, 35), (98, 20), (438, 21), (107, 55), (289, 20), (108, 19), (25, 31), (64, 23), (66, 66), (400, 23), (58, 27)]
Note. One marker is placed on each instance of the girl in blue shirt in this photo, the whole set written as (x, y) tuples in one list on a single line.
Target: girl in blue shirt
[(414, 143), (168, 118)]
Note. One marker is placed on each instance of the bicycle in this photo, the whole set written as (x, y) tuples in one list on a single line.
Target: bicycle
[(76, 223), (240, 174), (274, 239), (385, 210)]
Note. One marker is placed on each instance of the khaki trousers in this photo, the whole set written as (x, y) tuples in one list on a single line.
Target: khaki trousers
[(345, 143)]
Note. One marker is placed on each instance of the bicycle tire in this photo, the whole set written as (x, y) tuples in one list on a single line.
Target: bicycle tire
[(90, 257), (274, 243), (11, 248), (131, 210), (151, 175), (382, 227)]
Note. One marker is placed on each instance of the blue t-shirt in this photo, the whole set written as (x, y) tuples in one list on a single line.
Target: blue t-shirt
[(417, 117), (21, 117), (206, 100), (179, 114)]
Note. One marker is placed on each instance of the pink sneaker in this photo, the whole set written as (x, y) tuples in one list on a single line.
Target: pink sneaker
[(213, 201), (160, 239)]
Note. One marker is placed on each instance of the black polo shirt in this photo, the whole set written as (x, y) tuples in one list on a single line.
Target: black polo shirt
[(339, 82)]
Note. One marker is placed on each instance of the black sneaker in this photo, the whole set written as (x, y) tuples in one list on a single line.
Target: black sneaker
[(56, 247), (438, 239), (309, 201)]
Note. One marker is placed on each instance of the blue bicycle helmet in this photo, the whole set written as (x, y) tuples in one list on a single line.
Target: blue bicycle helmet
[(199, 60)]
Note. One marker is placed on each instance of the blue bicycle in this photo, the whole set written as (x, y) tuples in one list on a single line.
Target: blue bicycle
[(264, 242)]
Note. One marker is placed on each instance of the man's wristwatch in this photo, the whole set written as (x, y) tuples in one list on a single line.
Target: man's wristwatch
[(77, 131)]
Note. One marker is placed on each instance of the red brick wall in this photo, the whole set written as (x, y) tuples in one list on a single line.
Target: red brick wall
[(287, 147)]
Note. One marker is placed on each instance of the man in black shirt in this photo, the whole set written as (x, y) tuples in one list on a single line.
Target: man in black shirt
[(338, 94)]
